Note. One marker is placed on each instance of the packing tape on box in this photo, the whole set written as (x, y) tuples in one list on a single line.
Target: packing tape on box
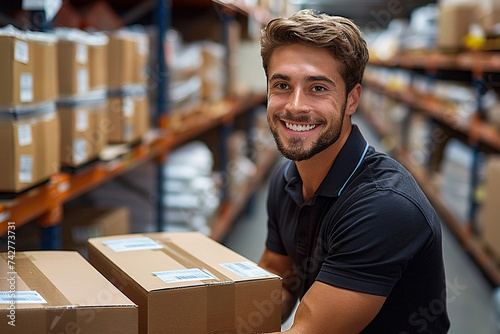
[(58, 309), (221, 294)]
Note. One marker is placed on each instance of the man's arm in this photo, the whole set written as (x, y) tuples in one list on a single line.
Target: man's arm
[(327, 309), (282, 266)]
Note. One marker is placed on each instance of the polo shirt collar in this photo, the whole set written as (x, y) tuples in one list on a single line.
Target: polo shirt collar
[(344, 167)]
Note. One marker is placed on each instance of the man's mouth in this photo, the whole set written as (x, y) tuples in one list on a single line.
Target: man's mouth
[(299, 127)]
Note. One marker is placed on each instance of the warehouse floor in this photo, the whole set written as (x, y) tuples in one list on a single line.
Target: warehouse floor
[(469, 293)]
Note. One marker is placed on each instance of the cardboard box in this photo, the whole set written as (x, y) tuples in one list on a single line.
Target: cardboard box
[(121, 59), (26, 161), (84, 131), (98, 61), (43, 51), (188, 283), (128, 114), (80, 224), (60, 292), (490, 210), (453, 24), (489, 16), (16, 69), (73, 69)]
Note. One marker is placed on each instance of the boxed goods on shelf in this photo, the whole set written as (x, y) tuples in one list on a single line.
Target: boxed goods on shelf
[(490, 210), (81, 223), (81, 61), (454, 20), (489, 16), (128, 114), (29, 147), (27, 68), (84, 128), (189, 283), (60, 292), (128, 54)]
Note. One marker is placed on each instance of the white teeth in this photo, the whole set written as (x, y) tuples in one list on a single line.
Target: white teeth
[(299, 128)]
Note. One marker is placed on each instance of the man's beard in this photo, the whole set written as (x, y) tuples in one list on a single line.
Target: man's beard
[(295, 149)]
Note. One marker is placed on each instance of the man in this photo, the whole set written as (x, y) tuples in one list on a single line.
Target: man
[(349, 230)]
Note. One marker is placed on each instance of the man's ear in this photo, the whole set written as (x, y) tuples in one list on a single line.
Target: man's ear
[(353, 100)]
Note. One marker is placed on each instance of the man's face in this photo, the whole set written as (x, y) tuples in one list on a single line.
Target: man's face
[(306, 100)]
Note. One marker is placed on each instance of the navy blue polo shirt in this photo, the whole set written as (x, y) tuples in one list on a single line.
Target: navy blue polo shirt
[(367, 228)]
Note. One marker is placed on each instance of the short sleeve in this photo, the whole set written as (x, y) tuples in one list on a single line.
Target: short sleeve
[(373, 241)]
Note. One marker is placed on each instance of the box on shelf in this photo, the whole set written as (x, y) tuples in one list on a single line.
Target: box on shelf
[(490, 210), (188, 283), (84, 129), (80, 224), (16, 69), (82, 61), (489, 16), (453, 24), (128, 114), (60, 292), (128, 55), (43, 52), (26, 161)]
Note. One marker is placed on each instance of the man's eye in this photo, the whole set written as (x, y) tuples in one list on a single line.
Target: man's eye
[(282, 86), (318, 88)]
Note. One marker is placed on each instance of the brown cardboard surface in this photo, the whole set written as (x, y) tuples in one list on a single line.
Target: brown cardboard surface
[(45, 79), (80, 224), (121, 60), (28, 162), (129, 115), (73, 75), (453, 24), (490, 210), (222, 302), (83, 131), (78, 298), (98, 69), (11, 71)]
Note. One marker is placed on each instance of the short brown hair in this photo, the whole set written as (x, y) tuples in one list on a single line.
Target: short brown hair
[(339, 35)]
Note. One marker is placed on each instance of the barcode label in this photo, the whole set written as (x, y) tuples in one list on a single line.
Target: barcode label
[(24, 136), (82, 80), (25, 169), (82, 120), (245, 269), (21, 52), (21, 297), (79, 150), (81, 53), (184, 275), (26, 87), (132, 244)]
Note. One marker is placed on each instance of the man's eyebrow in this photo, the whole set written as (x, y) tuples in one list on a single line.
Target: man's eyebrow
[(321, 78), (276, 76)]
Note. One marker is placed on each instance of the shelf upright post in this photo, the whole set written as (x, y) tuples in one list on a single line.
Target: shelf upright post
[(163, 23), (227, 18)]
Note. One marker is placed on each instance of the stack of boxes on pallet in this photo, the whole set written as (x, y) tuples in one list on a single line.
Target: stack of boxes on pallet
[(64, 95), (29, 125)]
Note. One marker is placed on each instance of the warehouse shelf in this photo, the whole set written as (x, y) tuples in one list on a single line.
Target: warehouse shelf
[(478, 134), (45, 201)]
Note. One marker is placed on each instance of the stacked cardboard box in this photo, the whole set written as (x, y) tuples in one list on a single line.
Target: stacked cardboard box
[(82, 72), (127, 79), (60, 292), (28, 90), (188, 283)]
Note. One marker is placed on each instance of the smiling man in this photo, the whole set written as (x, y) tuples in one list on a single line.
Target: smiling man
[(349, 230)]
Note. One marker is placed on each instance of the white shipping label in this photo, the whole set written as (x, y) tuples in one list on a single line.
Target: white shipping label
[(25, 169), (82, 80), (21, 52), (79, 150), (21, 297), (245, 269), (26, 87), (24, 136), (128, 106), (82, 120), (132, 244), (184, 275), (81, 53)]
